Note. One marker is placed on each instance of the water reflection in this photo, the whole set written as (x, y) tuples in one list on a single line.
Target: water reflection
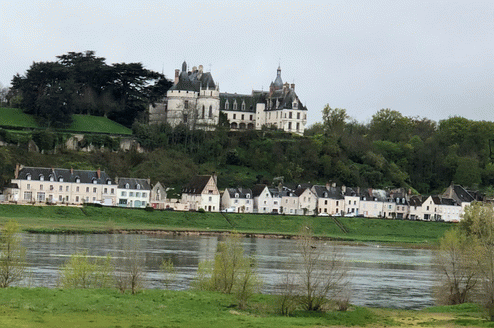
[(380, 276)]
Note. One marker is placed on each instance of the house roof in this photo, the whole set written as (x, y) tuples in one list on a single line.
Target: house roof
[(415, 201), (330, 192), (68, 175), (242, 192), (194, 80), (133, 183), (462, 194), (197, 184), (258, 189)]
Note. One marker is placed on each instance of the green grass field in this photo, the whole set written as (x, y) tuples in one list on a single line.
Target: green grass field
[(41, 307), (101, 219), (97, 124), (15, 118)]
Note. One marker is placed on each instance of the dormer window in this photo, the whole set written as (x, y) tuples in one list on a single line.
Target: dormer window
[(52, 178), (138, 187), (243, 106), (236, 195), (108, 181), (95, 181), (227, 104), (78, 180), (41, 177), (235, 105), (60, 179), (28, 177), (247, 196), (295, 105), (127, 186)]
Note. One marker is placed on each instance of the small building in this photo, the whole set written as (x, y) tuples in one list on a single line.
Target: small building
[(202, 193), (330, 200), (237, 200), (133, 192)]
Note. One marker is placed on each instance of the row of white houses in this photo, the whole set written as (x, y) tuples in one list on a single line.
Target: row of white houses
[(33, 185)]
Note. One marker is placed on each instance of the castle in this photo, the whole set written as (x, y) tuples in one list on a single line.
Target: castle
[(195, 100)]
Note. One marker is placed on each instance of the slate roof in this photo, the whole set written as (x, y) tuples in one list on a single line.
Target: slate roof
[(258, 189), (133, 182), (249, 100), (68, 175), (197, 184), (415, 201), (242, 192), (462, 194), (194, 81), (331, 192)]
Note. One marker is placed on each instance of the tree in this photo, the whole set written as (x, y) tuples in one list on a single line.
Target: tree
[(12, 255), (81, 271), (323, 275), (334, 120), (478, 223), (129, 272), (456, 264), (390, 125), (230, 271), (167, 269)]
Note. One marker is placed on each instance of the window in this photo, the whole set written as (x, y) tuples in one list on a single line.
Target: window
[(77, 189), (289, 114), (131, 194), (234, 116), (210, 198), (60, 179), (247, 196), (105, 190), (87, 189), (112, 191), (94, 190), (41, 187), (251, 117), (210, 111), (298, 116), (124, 194), (28, 195), (186, 104), (203, 111), (60, 198), (77, 180), (138, 194), (289, 125), (52, 178), (243, 106), (94, 199), (235, 105), (28, 177), (51, 187), (77, 199), (41, 178), (28, 186), (60, 188), (126, 186), (41, 197), (227, 104), (326, 202), (95, 181), (242, 116), (144, 195), (138, 187)]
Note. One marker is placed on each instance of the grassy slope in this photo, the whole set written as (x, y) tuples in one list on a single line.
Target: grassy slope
[(45, 218), (14, 117), (97, 124), (40, 307)]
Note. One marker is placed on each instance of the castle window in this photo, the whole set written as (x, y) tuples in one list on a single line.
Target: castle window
[(242, 116), (203, 111), (185, 118), (210, 111), (289, 125), (251, 117), (290, 115), (235, 105), (243, 106), (227, 104), (234, 116), (186, 104), (298, 126), (295, 105), (298, 116)]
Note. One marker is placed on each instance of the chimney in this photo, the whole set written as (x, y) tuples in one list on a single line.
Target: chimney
[(334, 185), (98, 173), (215, 178), (116, 180), (327, 185), (292, 86), (71, 170), (343, 189), (17, 169), (177, 72)]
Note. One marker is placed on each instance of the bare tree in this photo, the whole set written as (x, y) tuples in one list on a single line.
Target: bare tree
[(323, 274), (129, 271), (82, 271), (12, 255)]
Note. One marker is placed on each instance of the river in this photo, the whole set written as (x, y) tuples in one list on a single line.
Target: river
[(380, 276)]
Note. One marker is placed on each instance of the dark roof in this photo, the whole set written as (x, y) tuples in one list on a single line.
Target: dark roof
[(250, 102), (242, 192), (194, 80), (197, 184), (462, 194), (68, 175), (448, 201), (415, 201), (330, 192), (258, 189), (133, 182)]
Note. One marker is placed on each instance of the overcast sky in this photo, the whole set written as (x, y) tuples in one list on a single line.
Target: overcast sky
[(431, 59)]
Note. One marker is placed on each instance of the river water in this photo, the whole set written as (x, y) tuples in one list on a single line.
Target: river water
[(379, 276)]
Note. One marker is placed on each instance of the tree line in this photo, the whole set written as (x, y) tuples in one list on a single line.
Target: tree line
[(82, 83)]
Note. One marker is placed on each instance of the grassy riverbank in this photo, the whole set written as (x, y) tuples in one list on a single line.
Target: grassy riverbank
[(100, 219), (41, 307)]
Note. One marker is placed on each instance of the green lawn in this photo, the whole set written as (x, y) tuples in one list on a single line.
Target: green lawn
[(41, 307), (97, 124), (87, 219), (14, 117)]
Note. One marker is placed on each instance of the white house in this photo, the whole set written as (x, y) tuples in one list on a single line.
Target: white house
[(202, 193), (237, 200), (133, 192), (330, 200)]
